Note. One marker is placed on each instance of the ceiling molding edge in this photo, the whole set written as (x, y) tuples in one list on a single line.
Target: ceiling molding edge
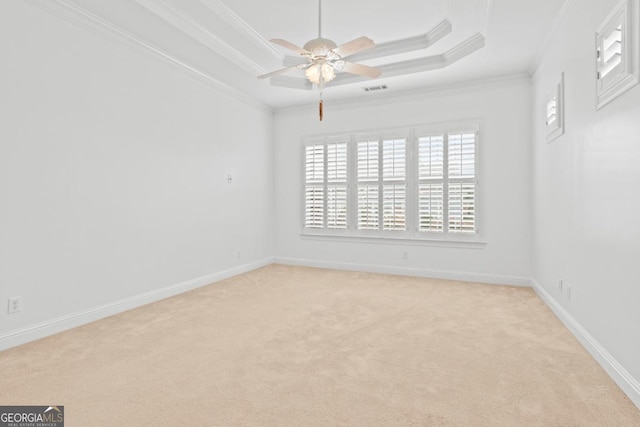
[(409, 44), (565, 12), (104, 27), (223, 11), (394, 47), (382, 98), (411, 66), (196, 31)]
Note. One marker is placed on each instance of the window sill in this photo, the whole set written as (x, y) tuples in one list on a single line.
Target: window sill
[(458, 242)]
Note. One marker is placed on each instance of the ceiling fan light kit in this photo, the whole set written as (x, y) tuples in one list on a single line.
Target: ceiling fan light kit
[(324, 57)]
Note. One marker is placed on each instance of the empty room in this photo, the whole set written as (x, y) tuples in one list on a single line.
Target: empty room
[(319, 213)]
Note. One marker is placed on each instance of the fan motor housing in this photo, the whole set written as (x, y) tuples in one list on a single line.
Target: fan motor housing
[(320, 46)]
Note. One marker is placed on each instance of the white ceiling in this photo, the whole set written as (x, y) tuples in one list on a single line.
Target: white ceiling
[(226, 41)]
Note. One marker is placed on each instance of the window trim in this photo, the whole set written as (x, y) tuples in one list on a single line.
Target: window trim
[(411, 233), (627, 14)]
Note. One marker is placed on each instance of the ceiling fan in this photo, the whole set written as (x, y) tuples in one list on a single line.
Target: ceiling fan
[(324, 57)]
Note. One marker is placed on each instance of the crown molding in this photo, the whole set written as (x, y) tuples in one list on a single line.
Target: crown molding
[(220, 9), (395, 47), (380, 99), (405, 45), (467, 47), (198, 32), (73, 13), (565, 12)]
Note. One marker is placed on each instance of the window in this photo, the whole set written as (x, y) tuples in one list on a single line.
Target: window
[(617, 52), (554, 111), (461, 186), (337, 185), (381, 184), (326, 174), (409, 183)]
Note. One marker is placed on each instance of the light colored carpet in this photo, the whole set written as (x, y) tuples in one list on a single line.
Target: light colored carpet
[(293, 346)]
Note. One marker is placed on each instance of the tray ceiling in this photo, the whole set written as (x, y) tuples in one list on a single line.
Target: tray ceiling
[(421, 43)]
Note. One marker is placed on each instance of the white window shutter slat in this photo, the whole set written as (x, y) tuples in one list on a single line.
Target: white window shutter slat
[(314, 207), (462, 213), (394, 207), (337, 207), (431, 157), (431, 208), (393, 159), (337, 162), (368, 207)]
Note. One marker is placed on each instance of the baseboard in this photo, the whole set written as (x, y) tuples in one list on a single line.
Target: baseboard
[(629, 385), (494, 279), (60, 324)]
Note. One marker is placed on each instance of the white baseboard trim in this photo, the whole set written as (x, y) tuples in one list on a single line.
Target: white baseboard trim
[(60, 324), (629, 385), (493, 279)]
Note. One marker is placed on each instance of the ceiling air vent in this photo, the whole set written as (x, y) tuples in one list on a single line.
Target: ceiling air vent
[(374, 88)]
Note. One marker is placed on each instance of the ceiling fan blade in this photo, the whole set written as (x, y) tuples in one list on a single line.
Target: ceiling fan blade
[(291, 46), (275, 73), (361, 70), (284, 70), (354, 46)]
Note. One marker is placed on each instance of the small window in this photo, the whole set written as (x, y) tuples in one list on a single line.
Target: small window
[(617, 52), (554, 111)]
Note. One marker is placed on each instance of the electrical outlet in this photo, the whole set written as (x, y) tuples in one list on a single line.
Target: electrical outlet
[(239, 254), (405, 255), (15, 304), (569, 292), (560, 285)]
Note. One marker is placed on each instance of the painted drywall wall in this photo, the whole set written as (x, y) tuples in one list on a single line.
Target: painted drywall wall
[(503, 108), (113, 172), (585, 193)]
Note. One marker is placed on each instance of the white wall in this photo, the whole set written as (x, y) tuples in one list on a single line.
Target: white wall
[(113, 168), (586, 197), (503, 106)]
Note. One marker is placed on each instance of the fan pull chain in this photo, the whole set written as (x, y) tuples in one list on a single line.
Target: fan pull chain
[(320, 110)]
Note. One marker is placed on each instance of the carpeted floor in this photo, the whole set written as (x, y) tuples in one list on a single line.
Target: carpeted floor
[(292, 346)]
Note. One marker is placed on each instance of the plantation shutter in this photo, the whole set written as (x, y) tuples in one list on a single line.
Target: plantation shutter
[(431, 183), (461, 185), (368, 180), (610, 52), (418, 183), (552, 111), (394, 184), (314, 186), (337, 185)]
